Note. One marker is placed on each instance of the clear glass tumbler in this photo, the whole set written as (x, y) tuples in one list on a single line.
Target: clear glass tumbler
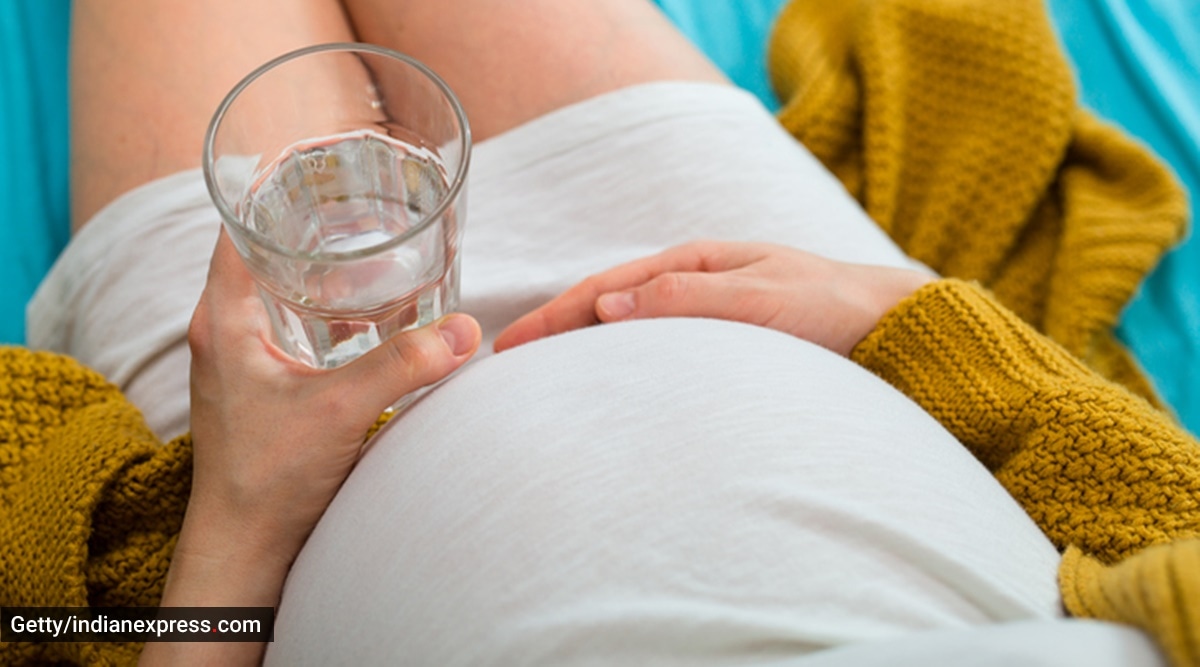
[(340, 173)]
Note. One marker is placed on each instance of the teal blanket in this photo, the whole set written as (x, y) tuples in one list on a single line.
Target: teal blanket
[(34, 223)]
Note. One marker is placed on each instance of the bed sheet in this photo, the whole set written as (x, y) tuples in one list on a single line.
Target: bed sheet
[(1138, 64)]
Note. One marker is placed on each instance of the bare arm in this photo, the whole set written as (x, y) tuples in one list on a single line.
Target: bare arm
[(273, 441)]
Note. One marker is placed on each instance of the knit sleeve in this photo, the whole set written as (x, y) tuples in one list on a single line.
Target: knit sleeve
[(91, 503), (1095, 466)]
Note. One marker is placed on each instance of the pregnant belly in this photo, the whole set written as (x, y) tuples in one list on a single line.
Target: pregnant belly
[(669, 488)]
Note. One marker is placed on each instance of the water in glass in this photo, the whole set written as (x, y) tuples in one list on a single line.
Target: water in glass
[(337, 208)]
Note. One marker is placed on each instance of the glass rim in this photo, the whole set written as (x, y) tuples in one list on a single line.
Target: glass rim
[(208, 163)]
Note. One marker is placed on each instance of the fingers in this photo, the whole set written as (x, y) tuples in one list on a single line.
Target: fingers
[(576, 308), (408, 361), (673, 295), (400, 365)]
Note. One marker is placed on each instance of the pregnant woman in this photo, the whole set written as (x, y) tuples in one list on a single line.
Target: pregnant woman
[(705, 478)]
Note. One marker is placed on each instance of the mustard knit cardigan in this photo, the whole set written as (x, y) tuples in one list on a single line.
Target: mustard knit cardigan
[(955, 124), (952, 122)]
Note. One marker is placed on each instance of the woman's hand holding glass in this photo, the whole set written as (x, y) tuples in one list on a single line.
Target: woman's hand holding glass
[(830, 303), (273, 441)]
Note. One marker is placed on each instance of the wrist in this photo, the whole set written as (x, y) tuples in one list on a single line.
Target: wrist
[(199, 580), (226, 562), (868, 300), (217, 563)]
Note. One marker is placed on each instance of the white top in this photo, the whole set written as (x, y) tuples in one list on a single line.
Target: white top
[(663, 492)]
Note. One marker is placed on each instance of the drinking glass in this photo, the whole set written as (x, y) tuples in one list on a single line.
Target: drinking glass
[(340, 173)]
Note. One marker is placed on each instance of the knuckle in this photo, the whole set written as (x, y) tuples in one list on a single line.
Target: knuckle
[(413, 359), (338, 404), (591, 284), (199, 333), (670, 287), (704, 247), (713, 254), (708, 251)]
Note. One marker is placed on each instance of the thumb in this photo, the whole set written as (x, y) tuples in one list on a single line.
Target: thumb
[(408, 361)]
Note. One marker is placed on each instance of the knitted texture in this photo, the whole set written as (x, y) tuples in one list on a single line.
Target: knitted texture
[(955, 124), (90, 501), (1105, 475), (1157, 590)]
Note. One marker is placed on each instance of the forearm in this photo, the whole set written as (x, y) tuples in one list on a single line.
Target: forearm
[(219, 564), (1093, 464)]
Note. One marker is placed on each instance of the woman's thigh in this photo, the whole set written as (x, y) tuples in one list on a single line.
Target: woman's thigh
[(510, 62), (146, 77)]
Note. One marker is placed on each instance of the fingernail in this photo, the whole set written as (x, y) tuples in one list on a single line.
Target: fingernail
[(457, 331), (616, 305)]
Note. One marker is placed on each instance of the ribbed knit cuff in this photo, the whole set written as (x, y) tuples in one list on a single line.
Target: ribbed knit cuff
[(1092, 464), (1157, 590), (971, 363)]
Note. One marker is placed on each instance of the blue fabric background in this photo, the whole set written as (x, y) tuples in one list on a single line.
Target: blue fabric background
[(1138, 64), (34, 222)]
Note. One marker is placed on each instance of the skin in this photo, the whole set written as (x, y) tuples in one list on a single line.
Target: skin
[(273, 441), (832, 304), (146, 76)]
